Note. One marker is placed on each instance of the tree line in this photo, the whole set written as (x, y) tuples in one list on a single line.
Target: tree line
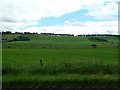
[(52, 34), (9, 32)]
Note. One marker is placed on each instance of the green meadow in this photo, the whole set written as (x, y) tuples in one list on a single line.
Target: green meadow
[(43, 41), (67, 62)]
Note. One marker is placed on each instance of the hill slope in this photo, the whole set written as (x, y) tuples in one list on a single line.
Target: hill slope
[(43, 41)]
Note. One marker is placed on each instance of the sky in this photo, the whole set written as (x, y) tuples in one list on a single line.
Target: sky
[(60, 16)]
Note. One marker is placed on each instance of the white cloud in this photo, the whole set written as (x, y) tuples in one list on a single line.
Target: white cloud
[(102, 27), (18, 13), (104, 12)]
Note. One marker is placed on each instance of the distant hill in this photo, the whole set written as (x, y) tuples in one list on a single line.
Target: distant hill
[(48, 41)]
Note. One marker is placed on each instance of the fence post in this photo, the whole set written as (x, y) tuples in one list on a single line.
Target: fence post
[(41, 62)]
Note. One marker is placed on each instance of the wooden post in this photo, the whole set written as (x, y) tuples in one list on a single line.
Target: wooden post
[(41, 62)]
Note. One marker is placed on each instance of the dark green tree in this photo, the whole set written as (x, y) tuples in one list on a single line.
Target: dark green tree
[(21, 38)]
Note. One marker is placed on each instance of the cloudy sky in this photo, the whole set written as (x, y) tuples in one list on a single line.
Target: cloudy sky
[(60, 16)]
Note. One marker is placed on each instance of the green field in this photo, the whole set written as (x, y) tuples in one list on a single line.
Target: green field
[(67, 62), (41, 41)]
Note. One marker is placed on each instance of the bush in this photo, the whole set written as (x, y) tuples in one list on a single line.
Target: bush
[(98, 40), (94, 45), (21, 38)]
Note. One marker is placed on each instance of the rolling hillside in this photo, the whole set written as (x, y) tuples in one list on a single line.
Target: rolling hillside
[(43, 41)]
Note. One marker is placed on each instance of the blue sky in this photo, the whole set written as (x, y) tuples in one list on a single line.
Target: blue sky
[(60, 16), (77, 16)]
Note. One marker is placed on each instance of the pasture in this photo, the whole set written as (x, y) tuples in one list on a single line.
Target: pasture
[(43, 41), (67, 62)]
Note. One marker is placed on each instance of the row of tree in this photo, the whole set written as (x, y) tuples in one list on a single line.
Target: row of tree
[(52, 34), (92, 35), (9, 32)]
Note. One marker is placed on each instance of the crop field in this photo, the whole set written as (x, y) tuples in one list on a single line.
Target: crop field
[(67, 62)]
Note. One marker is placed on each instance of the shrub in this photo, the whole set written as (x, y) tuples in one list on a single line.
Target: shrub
[(21, 38), (98, 40), (94, 45)]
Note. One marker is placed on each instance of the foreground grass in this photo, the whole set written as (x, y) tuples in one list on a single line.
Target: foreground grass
[(82, 61), (60, 81), (61, 67)]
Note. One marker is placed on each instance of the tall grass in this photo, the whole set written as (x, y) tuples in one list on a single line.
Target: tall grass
[(81, 61), (60, 81), (76, 67), (61, 67)]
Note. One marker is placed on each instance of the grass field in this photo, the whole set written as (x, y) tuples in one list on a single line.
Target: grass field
[(41, 41), (67, 62)]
